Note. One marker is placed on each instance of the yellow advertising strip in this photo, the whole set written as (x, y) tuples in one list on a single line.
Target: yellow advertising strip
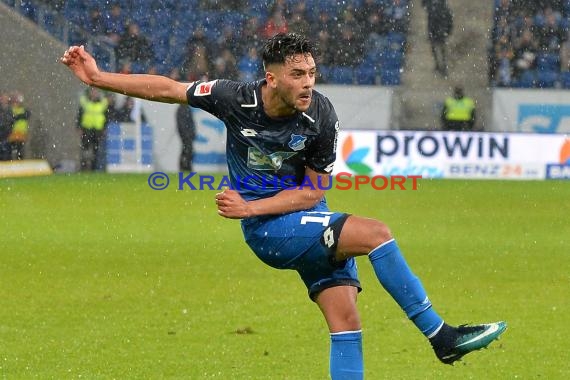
[(24, 168)]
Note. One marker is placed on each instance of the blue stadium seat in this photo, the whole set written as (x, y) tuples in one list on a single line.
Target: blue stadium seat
[(527, 79), (233, 18), (546, 79), (341, 75), (76, 13), (249, 68), (396, 40), (565, 79), (323, 72), (565, 23), (390, 77), (49, 23), (392, 59), (28, 9), (365, 74), (211, 21), (539, 21), (548, 62), (566, 7), (103, 58)]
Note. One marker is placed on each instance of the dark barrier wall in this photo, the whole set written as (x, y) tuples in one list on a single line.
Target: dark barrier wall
[(29, 64)]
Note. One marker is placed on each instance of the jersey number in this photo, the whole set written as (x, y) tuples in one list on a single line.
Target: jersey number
[(328, 234), (324, 220)]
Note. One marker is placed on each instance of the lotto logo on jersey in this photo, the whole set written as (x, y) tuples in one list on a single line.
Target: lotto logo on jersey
[(205, 88)]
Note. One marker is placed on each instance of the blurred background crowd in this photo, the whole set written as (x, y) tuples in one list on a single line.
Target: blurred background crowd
[(530, 45), (361, 42), (203, 38)]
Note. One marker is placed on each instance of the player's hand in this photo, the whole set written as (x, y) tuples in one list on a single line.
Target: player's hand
[(231, 205), (81, 63)]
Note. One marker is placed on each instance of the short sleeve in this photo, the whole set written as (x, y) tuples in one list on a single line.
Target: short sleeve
[(323, 149)]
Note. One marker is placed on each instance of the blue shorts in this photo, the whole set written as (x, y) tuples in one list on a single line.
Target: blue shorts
[(304, 241)]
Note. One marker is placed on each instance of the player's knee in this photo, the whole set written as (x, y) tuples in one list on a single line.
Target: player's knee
[(349, 321), (384, 232), (380, 233)]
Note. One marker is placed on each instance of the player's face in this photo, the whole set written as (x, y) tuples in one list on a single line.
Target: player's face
[(295, 82)]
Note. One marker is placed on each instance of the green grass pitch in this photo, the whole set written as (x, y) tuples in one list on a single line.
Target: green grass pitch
[(103, 278)]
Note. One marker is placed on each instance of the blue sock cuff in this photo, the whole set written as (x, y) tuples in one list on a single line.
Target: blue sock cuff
[(346, 336), (382, 250)]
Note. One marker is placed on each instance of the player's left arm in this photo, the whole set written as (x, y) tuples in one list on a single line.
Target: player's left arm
[(309, 194)]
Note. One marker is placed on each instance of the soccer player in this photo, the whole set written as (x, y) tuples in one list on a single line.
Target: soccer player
[(282, 137)]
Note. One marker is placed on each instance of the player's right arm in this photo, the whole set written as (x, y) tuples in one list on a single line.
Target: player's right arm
[(151, 87)]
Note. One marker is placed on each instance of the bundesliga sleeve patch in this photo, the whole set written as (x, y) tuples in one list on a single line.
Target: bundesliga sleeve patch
[(205, 88)]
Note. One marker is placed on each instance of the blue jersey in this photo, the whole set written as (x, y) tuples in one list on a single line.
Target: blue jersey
[(266, 155)]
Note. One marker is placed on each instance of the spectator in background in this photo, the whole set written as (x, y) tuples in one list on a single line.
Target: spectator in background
[(373, 21), (134, 51), (20, 128), (503, 10), (249, 66), (112, 115), (347, 17), (250, 36), (225, 66), (127, 113), (6, 122), (346, 47), (175, 74), (522, 24), (300, 7), (397, 15), (503, 55), (524, 54), (458, 113), (111, 119), (565, 53), (196, 64), (504, 28), (115, 24), (216, 5), (323, 30), (91, 121), (298, 19), (551, 36), (325, 24), (277, 22), (298, 22), (226, 40), (187, 132), (96, 22), (440, 26)]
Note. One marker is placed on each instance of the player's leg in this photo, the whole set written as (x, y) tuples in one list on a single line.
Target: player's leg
[(368, 236), (338, 305), (306, 242), (362, 235)]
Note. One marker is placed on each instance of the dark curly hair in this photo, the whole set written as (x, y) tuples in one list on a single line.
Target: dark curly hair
[(284, 45)]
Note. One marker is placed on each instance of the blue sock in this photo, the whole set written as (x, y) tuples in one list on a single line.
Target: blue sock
[(397, 278), (346, 356)]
